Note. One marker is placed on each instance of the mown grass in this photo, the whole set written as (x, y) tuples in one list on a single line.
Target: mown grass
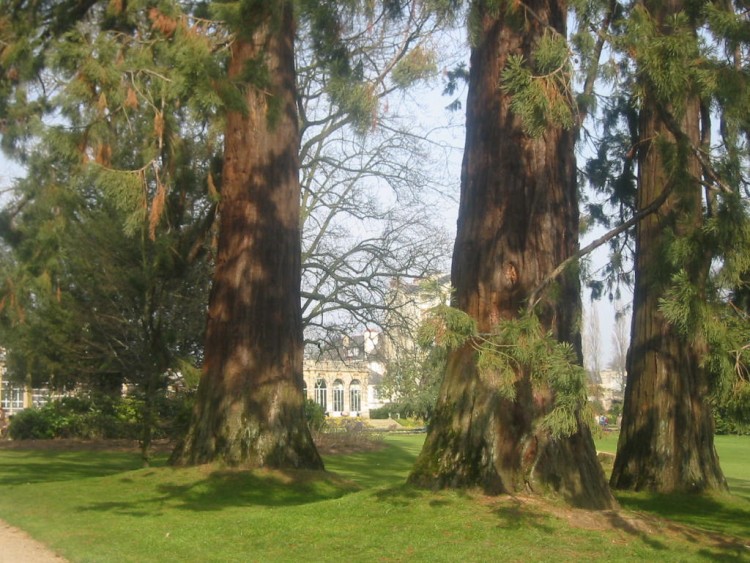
[(726, 514), (99, 506)]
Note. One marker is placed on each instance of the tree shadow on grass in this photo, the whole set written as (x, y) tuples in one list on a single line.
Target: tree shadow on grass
[(40, 466), (223, 489), (739, 487), (718, 523), (388, 466), (512, 514)]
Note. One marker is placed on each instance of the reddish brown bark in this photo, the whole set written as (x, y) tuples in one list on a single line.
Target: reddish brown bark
[(249, 408), (518, 219), (666, 442)]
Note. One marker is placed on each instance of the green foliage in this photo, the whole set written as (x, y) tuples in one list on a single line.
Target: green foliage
[(315, 415), (413, 381), (541, 91), (127, 191), (75, 417), (382, 413), (99, 417), (105, 266), (419, 64), (672, 63), (519, 348), (446, 327), (733, 415)]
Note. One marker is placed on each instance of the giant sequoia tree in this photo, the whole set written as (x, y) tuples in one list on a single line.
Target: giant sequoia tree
[(666, 443), (518, 219), (678, 67), (249, 408)]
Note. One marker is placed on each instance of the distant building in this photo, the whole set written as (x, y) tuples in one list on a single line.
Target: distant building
[(14, 397), (610, 388), (346, 379)]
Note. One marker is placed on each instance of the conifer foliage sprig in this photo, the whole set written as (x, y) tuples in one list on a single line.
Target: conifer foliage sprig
[(540, 89), (514, 349)]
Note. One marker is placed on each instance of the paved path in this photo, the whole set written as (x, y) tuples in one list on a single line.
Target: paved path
[(16, 546)]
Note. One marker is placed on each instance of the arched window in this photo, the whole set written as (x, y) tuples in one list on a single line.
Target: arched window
[(304, 389), (320, 393), (355, 397), (338, 396)]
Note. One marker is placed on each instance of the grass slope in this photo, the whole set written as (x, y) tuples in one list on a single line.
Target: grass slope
[(99, 506)]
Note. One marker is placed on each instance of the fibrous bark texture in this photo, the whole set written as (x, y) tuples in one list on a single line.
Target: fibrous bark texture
[(666, 442), (518, 219), (249, 409)]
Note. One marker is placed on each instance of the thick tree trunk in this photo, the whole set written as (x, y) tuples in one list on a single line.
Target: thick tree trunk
[(250, 408), (666, 441), (518, 219)]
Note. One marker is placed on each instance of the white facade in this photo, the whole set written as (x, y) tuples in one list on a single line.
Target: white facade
[(611, 387), (342, 389)]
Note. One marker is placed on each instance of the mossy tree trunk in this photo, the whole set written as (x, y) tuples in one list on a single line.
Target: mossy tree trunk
[(518, 219), (249, 408), (666, 441)]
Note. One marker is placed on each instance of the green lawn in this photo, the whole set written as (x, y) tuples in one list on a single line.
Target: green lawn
[(734, 455), (726, 514), (99, 506)]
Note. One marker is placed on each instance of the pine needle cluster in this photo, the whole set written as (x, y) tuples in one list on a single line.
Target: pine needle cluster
[(515, 349)]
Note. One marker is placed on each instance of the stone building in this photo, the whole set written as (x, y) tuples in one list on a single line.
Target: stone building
[(346, 381)]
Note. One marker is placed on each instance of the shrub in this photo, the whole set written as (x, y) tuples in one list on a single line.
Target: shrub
[(100, 416), (33, 424), (727, 422), (383, 412), (315, 415), (174, 413)]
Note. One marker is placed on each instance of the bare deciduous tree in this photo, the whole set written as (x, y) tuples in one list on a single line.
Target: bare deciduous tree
[(374, 180), (620, 344), (592, 343)]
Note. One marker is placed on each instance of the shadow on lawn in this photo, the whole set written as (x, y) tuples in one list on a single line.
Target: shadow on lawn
[(231, 488), (40, 466), (722, 523), (739, 487), (388, 466)]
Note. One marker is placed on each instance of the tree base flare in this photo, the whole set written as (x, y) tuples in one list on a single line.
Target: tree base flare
[(478, 439)]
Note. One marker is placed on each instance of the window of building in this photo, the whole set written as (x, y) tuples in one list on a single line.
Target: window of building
[(39, 398), (338, 396), (321, 393), (12, 397), (355, 397)]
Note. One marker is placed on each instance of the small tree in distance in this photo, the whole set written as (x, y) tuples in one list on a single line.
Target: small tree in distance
[(620, 344), (592, 343)]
